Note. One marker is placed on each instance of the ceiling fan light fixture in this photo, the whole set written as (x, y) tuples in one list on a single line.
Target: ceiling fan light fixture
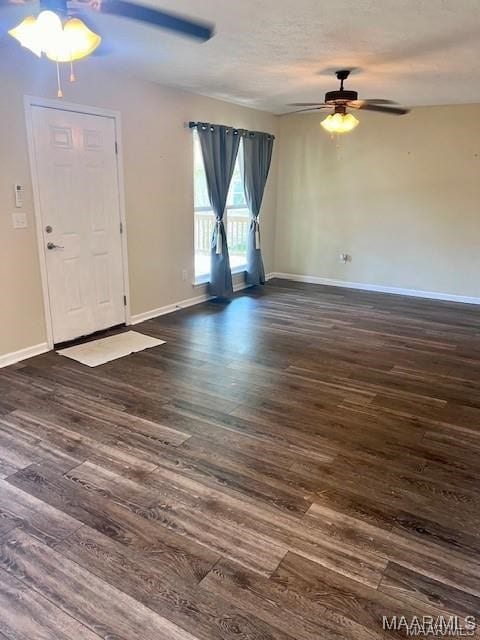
[(60, 43), (76, 41), (339, 123), (27, 36)]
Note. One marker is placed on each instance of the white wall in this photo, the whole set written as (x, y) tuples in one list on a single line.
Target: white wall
[(158, 169), (400, 194)]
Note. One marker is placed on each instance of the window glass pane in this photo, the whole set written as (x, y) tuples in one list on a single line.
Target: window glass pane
[(203, 218), (201, 193), (236, 218), (236, 195)]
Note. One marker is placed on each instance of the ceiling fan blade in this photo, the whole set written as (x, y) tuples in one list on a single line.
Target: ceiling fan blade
[(377, 101), (394, 111), (316, 108), (192, 28), (360, 104), (15, 3), (306, 104)]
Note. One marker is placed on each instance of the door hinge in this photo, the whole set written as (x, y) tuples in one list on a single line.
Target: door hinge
[(121, 227), (116, 147), (124, 301)]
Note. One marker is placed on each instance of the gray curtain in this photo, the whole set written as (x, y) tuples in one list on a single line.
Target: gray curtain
[(257, 156), (219, 146)]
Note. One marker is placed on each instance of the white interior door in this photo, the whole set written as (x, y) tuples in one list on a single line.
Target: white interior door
[(77, 179)]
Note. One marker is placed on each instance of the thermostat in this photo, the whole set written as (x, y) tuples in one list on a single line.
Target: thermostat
[(18, 195)]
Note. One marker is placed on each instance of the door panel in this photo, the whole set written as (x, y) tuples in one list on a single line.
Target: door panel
[(78, 192)]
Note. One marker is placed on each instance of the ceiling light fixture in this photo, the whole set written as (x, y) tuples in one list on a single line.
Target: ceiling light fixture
[(59, 42), (339, 122)]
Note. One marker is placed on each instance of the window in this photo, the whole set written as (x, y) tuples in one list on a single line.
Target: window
[(236, 218)]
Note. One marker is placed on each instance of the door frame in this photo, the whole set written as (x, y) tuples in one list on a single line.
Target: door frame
[(29, 103)]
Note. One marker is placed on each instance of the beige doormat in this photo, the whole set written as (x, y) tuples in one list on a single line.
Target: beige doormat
[(99, 352)]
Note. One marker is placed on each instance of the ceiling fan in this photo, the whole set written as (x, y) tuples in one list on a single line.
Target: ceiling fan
[(341, 121), (58, 32)]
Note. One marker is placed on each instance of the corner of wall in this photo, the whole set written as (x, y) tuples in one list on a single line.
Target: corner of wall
[(278, 141)]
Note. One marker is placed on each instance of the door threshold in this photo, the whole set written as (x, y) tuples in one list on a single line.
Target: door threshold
[(103, 333)]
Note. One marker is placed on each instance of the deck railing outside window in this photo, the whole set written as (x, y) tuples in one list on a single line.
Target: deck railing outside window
[(237, 220)]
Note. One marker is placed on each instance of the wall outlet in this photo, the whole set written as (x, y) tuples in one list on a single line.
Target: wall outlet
[(345, 257), (19, 219), (184, 275)]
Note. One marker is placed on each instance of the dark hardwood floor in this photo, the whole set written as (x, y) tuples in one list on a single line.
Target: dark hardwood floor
[(294, 465)]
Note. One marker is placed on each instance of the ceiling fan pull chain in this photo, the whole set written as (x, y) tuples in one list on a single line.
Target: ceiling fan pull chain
[(59, 84), (72, 72)]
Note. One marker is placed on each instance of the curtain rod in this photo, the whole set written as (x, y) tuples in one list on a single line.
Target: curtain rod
[(244, 132)]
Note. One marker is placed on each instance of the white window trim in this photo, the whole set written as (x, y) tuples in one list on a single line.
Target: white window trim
[(199, 280), (205, 279)]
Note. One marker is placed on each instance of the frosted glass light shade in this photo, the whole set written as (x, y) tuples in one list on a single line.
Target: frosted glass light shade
[(339, 123), (60, 43)]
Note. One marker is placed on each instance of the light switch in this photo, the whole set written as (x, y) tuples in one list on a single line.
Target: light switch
[(19, 219)]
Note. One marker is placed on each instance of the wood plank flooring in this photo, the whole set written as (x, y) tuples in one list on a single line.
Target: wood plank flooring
[(294, 465)]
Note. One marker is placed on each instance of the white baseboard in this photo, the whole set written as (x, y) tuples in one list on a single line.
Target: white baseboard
[(22, 354), (415, 293), (183, 304), (169, 308)]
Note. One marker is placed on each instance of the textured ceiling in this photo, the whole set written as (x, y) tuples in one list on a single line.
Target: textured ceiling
[(267, 53)]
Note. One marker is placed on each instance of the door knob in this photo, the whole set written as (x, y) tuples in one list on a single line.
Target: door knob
[(52, 245)]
